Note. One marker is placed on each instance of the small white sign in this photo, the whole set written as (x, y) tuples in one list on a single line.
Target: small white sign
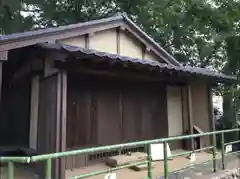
[(157, 151), (228, 148), (110, 176), (192, 157)]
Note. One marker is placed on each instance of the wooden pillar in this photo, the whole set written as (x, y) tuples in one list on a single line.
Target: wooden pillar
[(118, 39), (57, 81), (34, 112), (190, 115), (211, 112), (63, 122)]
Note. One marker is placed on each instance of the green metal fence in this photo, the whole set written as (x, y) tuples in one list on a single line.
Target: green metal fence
[(49, 157)]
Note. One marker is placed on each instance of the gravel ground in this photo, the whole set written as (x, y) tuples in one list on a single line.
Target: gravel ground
[(204, 171)]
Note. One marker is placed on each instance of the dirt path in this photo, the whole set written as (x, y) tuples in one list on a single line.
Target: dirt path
[(204, 171)]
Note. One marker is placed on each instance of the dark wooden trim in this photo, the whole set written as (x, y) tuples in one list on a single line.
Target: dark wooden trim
[(89, 122), (165, 89), (87, 40), (190, 114), (182, 107), (121, 111), (118, 39), (144, 50)]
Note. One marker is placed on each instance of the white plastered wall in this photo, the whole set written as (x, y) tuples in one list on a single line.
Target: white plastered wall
[(200, 108), (76, 41), (174, 106), (107, 41)]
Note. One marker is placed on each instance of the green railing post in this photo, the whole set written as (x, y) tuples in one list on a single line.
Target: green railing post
[(149, 157), (48, 174), (214, 153), (10, 170), (165, 160), (223, 150)]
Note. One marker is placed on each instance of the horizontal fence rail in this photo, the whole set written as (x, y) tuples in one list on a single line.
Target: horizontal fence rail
[(147, 144)]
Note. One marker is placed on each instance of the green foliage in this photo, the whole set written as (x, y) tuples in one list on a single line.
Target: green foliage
[(194, 31), (11, 19)]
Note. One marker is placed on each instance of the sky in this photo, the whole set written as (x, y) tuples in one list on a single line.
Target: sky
[(217, 102)]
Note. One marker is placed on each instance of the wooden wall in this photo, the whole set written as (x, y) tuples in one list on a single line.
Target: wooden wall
[(105, 111), (14, 116), (51, 127), (47, 118), (47, 115)]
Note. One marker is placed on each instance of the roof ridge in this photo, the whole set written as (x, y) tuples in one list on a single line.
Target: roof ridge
[(64, 27)]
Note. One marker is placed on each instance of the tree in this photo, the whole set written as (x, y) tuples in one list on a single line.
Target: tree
[(11, 19)]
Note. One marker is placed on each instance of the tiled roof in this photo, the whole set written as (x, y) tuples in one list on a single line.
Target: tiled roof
[(37, 36), (147, 63)]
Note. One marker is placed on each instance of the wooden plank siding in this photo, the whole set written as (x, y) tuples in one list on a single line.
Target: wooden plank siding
[(15, 108), (49, 126), (105, 111)]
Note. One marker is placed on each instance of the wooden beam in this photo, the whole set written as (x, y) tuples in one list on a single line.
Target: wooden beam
[(87, 40), (211, 116), (34, 65), (190, 115), (34, 112), (57, 169), (118, 39), (61, 123), (183, 109), (121, 112), (144, 50), (49, 69), (137, 75), (63, 128)]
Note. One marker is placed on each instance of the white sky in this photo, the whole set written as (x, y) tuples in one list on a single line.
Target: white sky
[(217, 102)]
